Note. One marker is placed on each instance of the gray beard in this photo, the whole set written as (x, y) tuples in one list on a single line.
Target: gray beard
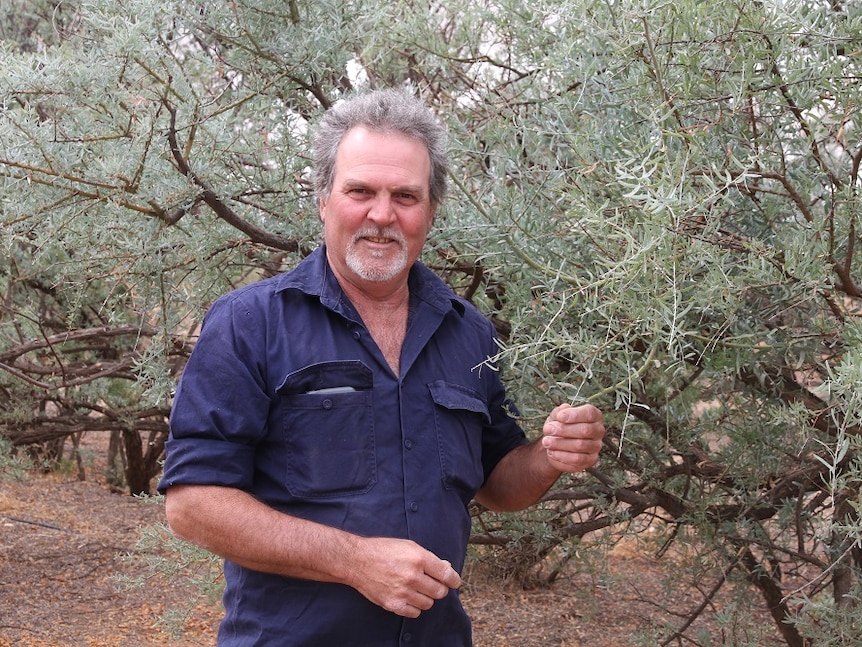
[(371, 271), (366, 267)]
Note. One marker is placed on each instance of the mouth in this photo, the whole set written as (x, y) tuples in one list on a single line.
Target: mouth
[(379, 238)]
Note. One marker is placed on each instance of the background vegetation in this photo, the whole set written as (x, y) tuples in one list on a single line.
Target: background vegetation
[(655, 201)]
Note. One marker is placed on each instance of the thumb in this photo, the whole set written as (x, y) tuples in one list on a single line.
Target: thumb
[(443, 572)]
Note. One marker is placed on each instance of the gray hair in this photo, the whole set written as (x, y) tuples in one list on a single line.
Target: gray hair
[(386, 111)]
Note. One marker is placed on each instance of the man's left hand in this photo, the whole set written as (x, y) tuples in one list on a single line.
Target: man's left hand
[(572, 437)]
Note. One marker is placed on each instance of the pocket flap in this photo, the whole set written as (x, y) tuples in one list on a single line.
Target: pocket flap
[(457, 397), (328, 375)]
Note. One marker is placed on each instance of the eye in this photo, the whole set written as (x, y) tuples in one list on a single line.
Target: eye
[(358, 191)]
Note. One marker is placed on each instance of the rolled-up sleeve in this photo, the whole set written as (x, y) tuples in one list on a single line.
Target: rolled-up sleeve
[(221, 405)]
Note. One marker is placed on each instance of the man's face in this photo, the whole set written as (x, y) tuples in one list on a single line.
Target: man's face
[(379, 211)]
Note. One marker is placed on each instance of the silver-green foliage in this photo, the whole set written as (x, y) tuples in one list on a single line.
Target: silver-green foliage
[(656, 201)]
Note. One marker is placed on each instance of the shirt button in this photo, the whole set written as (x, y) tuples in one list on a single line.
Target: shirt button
[(356, 335), (408, 444), (414, 506), (407, 638), (327, 404)]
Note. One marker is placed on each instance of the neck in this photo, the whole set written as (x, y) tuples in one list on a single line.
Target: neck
[(385, 317)]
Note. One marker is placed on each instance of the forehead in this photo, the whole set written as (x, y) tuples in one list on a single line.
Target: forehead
[(366, 154)]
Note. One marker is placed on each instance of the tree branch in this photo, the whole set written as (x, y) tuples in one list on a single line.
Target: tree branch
[(214, 202)]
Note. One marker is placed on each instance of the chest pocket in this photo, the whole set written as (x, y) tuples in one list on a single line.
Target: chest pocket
[(459, 415), (329, 430)]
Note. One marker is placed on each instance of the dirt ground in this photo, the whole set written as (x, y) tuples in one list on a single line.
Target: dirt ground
[(61, 542)]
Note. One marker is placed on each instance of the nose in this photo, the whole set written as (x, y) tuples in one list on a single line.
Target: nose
[(382, 211)]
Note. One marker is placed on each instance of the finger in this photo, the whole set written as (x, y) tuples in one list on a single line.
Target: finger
[(572, 461), (572, 445), (405, 609), (558, 435), (443, 572), (413, 603), (575, 424), (568, 414), (575, 439), (572, 457)]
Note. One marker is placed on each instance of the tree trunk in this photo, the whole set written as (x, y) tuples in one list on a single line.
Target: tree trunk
[(137, 475), (760, 575), (842, 550)]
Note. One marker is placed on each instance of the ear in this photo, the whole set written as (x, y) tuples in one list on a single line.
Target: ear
[(321, 209), (432, 219)]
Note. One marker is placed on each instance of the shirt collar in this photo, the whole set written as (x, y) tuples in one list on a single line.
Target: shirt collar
[(314, 277)]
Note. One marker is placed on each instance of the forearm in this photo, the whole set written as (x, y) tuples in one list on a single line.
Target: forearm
[(234, 525), (520, 479), (571, 441), (396, 574)]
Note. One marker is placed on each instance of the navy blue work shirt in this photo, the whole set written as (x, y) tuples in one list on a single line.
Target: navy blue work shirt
[(286, 396)]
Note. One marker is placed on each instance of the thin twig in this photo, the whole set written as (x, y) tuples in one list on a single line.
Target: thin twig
[(35, 523)]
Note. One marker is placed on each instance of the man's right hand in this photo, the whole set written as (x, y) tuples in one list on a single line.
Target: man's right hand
[(401, 576)]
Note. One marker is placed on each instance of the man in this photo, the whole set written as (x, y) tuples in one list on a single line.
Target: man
[(333, 423)]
